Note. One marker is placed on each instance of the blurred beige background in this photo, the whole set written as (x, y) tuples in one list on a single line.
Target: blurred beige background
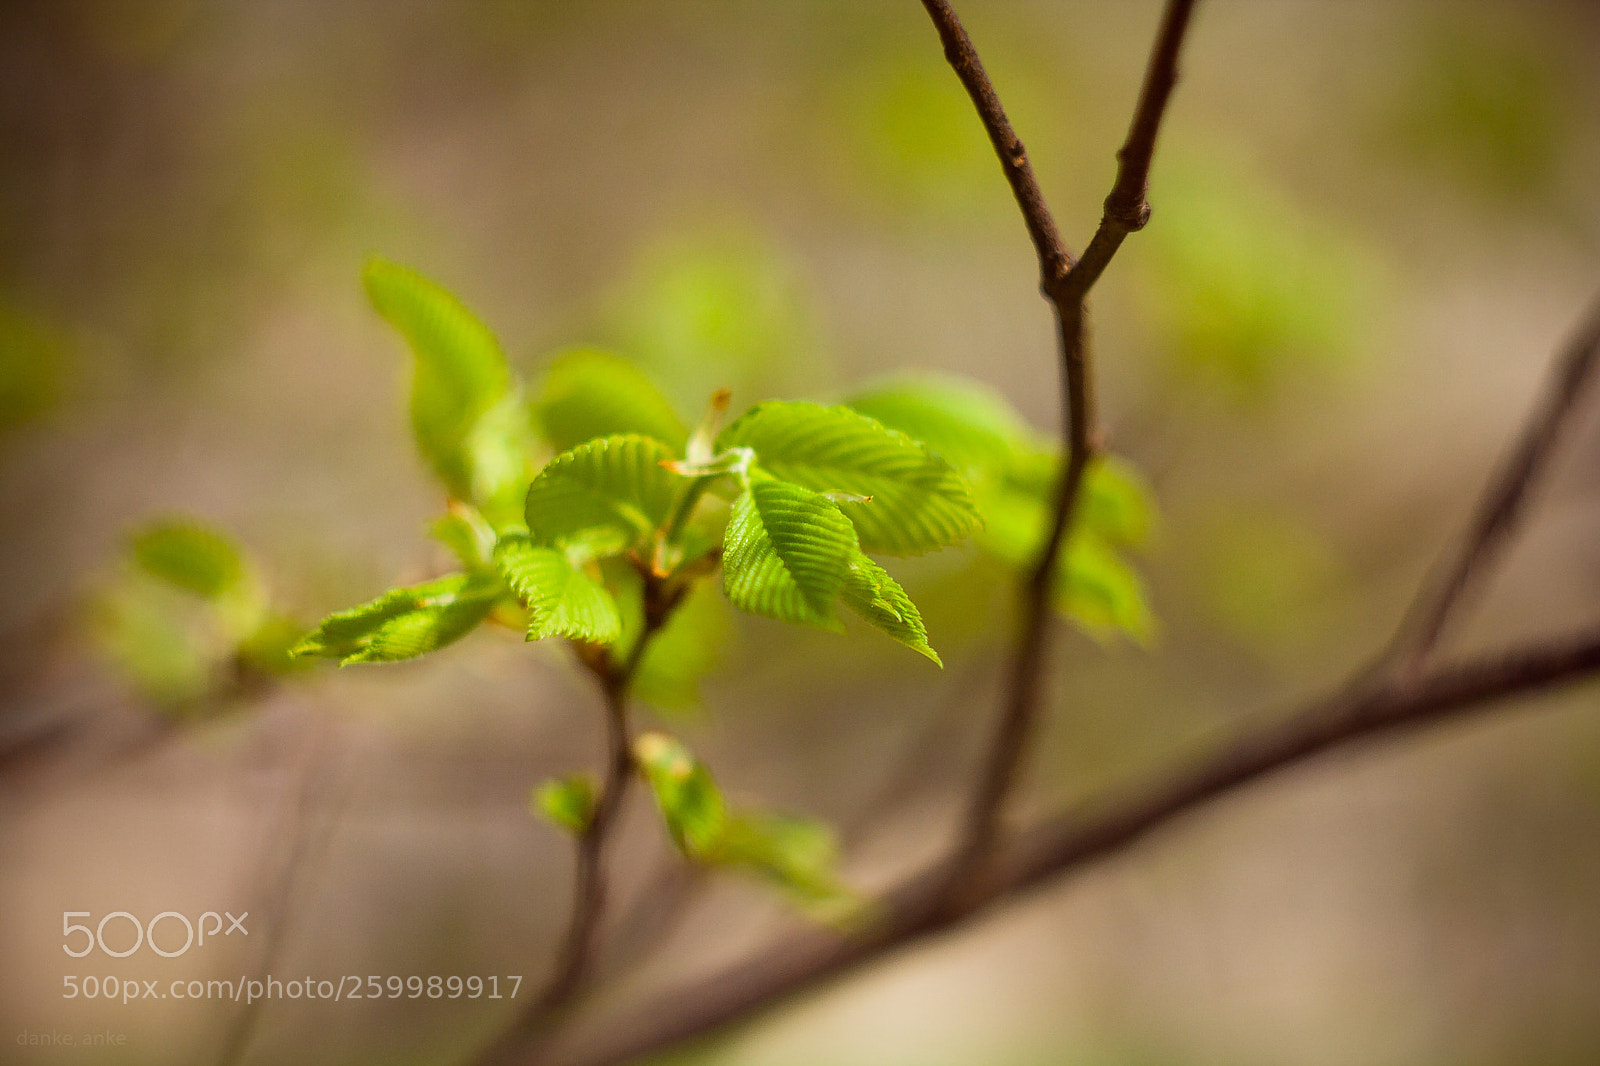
[(1374, 222)]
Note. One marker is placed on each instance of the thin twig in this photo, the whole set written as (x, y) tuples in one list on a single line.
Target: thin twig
[(1054, 259), (912, 911), (578, 950), (1501, 504), (1066, 285)]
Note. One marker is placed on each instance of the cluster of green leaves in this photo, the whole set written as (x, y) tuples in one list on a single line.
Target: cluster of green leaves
[(609, 542), (190, 621), (790, 499)]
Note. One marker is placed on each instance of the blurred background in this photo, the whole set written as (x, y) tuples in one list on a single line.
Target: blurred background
[(1374, 224)]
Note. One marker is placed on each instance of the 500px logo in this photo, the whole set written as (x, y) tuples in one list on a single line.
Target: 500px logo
[(146, 934)]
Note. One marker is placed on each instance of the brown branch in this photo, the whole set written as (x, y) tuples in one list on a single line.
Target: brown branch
[(912, 911), (578, 951), (1066, 285), (1054, 259), (1501, 504), (589, 890)]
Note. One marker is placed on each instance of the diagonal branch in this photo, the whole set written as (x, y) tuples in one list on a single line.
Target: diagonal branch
[(1066, 285), (1501, 504), (912, 912)]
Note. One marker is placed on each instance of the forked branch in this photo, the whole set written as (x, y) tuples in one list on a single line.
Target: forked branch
[(1066, 285)]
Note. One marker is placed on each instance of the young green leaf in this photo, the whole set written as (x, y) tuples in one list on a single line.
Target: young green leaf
[(797, 854), (191, 557), (690, 802), (589, 393), (564, 600), (870, 592), (609, 492), (405, 622), (972, 427), (786, 553), (1096, 588), (915, 502), (568, 802), (460, 372), (463, 530)]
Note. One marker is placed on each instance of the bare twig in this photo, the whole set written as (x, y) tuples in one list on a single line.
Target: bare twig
[(912, 911), (305, 844), (1054, 259), (1501, 504), (1066, 285)]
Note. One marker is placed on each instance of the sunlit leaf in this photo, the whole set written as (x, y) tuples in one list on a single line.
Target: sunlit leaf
[(588, 393), (797, 854), (610, 491), (870, 592), (917, 502), (405, 622), (190, 556), (563, 599), (1096, 588), (786, 553), (688, 797), (460, 377), (568, 802), (463, 530), (969, 425)]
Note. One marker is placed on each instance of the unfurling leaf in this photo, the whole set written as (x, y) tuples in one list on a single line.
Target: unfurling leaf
[(589, 393), (191, 557), (405, 622), (607, 493), (786, 553), (563, 600), (870, 592), (914, 501), (568, 802), (690, 802), (468, 422)]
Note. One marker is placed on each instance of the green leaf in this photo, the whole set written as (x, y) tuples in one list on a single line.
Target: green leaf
[(608, 493), (1114, 502), (564, 600), (463, 530), (786, 553), (589, 393), (687, 648), (1096, 588), (568, 802), (190, 556), (870, 592), (917, 501), (460, 372), (970, 425), (797, 854), (405, 622), (695, 812)]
